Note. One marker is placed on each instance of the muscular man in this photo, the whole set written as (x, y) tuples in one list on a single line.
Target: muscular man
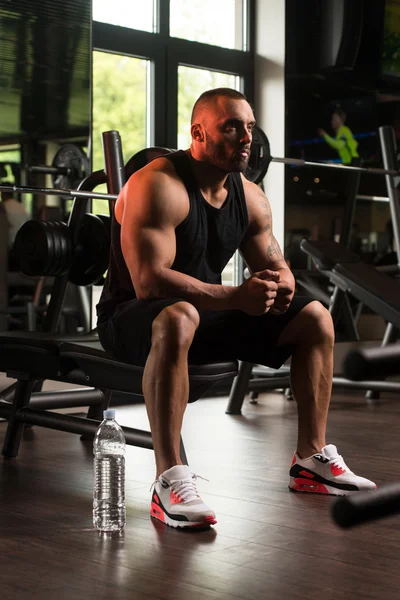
[(177, 223)]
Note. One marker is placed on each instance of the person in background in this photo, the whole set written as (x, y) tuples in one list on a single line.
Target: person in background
[(344, 141), (16, 216)]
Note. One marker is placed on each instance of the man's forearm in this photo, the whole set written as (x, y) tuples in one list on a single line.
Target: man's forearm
[(168, 283), (286, 276)]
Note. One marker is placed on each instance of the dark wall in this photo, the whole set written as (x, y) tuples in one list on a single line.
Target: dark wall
[(337, 56), (45, 64)]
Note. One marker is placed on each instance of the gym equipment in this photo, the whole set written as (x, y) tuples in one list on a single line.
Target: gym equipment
[(70, 164), (46, 248), (31, 357), (326, 255), (375, 362), (69, 167), (79, 193), (359, 508), (260, 159), (143, 157)]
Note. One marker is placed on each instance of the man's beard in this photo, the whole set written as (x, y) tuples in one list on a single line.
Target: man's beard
[(218, 157)]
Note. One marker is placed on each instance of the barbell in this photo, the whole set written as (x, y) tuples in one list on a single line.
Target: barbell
[(69, 167), (46, 247), (259, 161)]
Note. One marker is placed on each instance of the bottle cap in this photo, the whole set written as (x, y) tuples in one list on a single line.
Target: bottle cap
[(109, 413)]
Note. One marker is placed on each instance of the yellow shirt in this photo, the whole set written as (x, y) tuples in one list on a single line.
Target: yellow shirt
[(344, 143)]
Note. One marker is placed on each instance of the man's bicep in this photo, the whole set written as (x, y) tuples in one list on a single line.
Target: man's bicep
[(147, 250), (148, 228)]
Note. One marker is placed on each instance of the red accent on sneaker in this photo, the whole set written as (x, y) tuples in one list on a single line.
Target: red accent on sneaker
[(336, 470), (156, 512), (305, 485), (307, 474), (207, 521), (156, 498), (174, 498), (293, 460)]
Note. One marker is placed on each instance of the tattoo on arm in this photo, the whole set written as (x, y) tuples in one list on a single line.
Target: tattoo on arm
[(266, 212), (274, 251)]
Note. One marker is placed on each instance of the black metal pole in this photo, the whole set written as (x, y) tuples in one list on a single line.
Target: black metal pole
[(52, 420), (389, 154), (114, 164)]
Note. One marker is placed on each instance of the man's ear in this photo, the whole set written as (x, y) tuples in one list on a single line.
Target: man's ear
[(197, 132)]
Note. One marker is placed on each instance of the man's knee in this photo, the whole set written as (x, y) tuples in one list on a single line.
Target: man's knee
[(176, 325), (313, 324), (318, 322)]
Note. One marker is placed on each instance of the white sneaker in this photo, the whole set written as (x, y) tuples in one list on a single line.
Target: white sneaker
[(176, 501), (326, 473)]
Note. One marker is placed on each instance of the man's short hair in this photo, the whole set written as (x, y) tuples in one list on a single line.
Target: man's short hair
[(206, 97)]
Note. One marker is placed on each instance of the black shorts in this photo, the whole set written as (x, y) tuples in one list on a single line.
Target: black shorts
[(222, 335)]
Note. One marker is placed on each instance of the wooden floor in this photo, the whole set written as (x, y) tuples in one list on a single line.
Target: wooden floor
[(269, 543)]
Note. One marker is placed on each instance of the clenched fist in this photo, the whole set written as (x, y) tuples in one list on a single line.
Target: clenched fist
[(257, 294)]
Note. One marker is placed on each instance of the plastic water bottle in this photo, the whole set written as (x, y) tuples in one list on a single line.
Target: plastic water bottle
[(109, 513)]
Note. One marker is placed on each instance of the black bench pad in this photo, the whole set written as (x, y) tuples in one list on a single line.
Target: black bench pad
[(378, 291), (327, 254), (36, 353), (103, 371), (81, 359)]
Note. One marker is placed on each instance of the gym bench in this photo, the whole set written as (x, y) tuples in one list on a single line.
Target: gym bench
[(32, 357)]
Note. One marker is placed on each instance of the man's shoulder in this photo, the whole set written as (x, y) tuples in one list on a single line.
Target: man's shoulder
[(252, 191), (160, 171), (157, 189)]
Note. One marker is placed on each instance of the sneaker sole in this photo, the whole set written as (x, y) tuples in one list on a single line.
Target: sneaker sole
[(296, 484), (160, 515)]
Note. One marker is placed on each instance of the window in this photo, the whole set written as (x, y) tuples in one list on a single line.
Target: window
[(10, 173), (220, 23), (191, 83), (135, 14), (120, 102)]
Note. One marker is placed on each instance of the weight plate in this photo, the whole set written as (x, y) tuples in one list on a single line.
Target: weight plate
[(63, 234), (91, 254), (53, 246), (72, 158), (143, 157), (260, 156), (32, 248)]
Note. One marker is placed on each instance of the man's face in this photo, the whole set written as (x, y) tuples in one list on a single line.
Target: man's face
[(228, 133), (336, 122)]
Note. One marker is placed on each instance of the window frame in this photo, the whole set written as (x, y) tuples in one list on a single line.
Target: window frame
[(165, 54)]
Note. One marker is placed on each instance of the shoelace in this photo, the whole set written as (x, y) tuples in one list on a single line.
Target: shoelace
[(185, 488), (338, 461)]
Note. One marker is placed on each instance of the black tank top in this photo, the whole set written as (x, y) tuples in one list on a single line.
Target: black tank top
[(205, 241)]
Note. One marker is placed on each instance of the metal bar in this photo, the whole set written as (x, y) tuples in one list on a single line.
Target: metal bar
[(299, 162), (381, 386), (389, 155), (66, 398), (79, 425), (376, 198), (364, 506), (239, 389), (374, 362), (16, 189), (114, 164), (50, 170)]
